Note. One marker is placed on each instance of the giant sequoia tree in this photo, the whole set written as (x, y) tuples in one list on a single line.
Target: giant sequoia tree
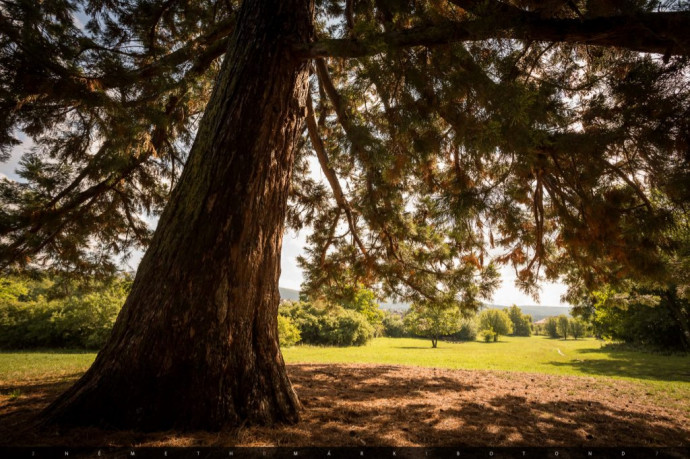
[(556, 132)]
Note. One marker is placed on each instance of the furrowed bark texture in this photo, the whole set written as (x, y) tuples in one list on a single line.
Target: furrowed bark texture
[(196, 344)]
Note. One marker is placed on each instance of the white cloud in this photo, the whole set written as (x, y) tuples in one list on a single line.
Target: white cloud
[(508, 293)]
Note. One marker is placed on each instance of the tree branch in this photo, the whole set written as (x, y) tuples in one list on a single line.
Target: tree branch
[(318, 145), (661, 33)]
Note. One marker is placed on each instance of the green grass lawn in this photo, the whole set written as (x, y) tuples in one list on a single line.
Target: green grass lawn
[(43, 365), (584, 357), (537, 354)]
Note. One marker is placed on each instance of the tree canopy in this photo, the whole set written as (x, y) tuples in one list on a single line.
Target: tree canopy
[(522, 323), (433, 320), (555, 132)]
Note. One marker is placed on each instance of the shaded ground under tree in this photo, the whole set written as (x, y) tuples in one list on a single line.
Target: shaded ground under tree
[(368, 405)]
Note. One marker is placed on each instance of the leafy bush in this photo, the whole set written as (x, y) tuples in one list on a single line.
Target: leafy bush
[(654, 325), (305, 317), (344, 327), (33, 314), (393, 325), (288, 333), (363, 301), (28, 324), (496, 320), (468, 330), (86, 320), (488, 335), (328, 324), (653, 319)]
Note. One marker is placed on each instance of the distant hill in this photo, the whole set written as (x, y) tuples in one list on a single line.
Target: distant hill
[(537, 312), (288, 294)]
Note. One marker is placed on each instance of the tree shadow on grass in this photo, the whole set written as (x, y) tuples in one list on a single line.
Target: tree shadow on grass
[(623, 364), (427, 407), (413, 347), (21, 402), (377, 405), (441, 344)]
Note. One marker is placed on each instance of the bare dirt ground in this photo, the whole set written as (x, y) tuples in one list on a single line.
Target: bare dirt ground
[(374, 405)]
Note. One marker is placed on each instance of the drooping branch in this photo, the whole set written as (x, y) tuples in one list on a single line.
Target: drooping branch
[(331, 235), (338, 194), (358, 138)]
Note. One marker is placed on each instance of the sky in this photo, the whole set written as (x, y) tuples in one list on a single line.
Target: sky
[(294, 243)]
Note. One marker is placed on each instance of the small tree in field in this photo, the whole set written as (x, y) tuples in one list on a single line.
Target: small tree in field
[(433, 320), (521, 322), (496, 320), (577, 328), (563, 326), (551, 327)]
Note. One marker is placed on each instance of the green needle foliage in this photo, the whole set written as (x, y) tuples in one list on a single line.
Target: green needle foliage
[(556, 133)]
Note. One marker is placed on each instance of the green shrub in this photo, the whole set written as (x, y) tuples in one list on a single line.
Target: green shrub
[(488, 335), (656, 325), (305, 317), (82, 319), (327, 324), (468, 330), (86, 320), (28, 324), (363, 301), (393, 325), (288, 333), (345, 327)]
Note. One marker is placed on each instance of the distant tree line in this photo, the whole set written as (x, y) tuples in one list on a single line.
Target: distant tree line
[(452, 322), (47, 311), (562, 327)]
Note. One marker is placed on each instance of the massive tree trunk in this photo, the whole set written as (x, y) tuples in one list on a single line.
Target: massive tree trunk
[(196, 344)]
